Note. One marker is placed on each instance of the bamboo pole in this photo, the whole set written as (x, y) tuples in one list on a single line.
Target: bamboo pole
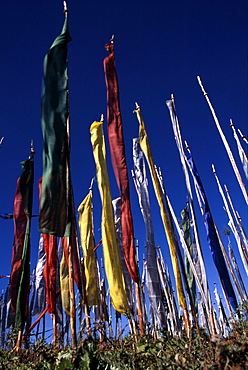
[(242, 251), (227, 147), (138, 302), (238, 220), (179, 143)]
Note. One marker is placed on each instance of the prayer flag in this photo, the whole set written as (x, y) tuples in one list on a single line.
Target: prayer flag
[(87, 243), (145, 146), (40, 285), (117, 149), (152, 280), (111, 252), (55, 217), (213, 239), (20, 272)]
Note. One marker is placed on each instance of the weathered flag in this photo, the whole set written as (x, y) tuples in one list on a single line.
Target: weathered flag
[(145, 146), (188, 270), (117, 149), (111, 252), (50, 248), (55, 217), (40, 285), (127, 278), (213, 239), (85, 222), (152, 280), (20, 271)]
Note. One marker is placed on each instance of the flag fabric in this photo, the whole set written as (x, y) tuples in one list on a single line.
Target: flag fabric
[(213, 239), (201, 271), (187, 237), (111, 252), (40, 285), (64, 280), (127, 278), (55, 218), (117, 149), (20, 271), (231, 224), (152, 280), (242, 154), (85, 222), (145, 146), (70, 246), (50, 248), (236, 268)]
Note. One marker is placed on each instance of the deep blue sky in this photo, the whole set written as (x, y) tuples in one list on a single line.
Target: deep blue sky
[(160, 48)]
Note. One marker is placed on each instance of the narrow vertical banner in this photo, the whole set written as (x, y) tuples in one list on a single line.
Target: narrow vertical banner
[(111, 252), (117, 148), (185, 225), (55, 196), (153, 282), (242, 153), (20, 271), (50, 248), (213, 239), (40, 285), (85, 222), (145, 146)]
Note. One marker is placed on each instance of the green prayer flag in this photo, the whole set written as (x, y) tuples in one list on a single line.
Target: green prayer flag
[(55, 212)]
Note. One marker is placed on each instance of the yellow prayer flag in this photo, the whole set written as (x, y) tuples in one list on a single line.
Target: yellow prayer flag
[(64, 285), (111, 253), (145, 146), (87, 243)]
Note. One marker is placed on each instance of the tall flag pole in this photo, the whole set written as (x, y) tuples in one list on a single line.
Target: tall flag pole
[(238, 220), (1, 141), (202, 273), (117, 149), (20, 270), (213, 237), (111, 252), (225, 142), (241, 248), (172, 216), (145, 146), (243, 137), (236, 268), (242, 154), (152, 280)]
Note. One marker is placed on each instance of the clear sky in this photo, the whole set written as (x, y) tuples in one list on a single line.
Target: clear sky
[(160, 48)]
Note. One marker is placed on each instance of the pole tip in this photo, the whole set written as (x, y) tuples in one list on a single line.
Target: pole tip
[(1, 140), (32, 151), (65, 7)]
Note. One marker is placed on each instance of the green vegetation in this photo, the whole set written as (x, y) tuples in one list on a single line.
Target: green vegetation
[(199, 352)]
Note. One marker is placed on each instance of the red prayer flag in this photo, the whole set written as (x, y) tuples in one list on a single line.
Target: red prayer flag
[(117, 149), (49, 272)]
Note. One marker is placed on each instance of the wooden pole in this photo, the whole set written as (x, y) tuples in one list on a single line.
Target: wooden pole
[(230, 155)]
